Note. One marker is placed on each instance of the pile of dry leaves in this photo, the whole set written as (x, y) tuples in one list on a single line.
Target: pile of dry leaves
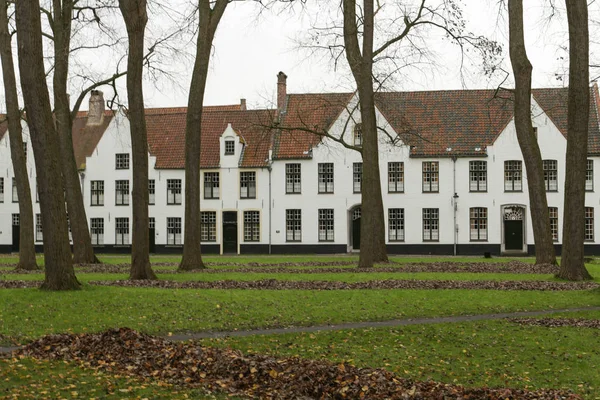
[(558, 322), (274, 284), (229, 371)]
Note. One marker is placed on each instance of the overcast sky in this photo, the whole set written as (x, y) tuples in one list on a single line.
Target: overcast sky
[(250, 51)]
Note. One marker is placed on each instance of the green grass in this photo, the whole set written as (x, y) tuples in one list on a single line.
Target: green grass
[(494, 353)]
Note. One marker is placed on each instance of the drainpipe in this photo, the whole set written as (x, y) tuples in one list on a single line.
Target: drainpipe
[(454, 202), (270, 169)]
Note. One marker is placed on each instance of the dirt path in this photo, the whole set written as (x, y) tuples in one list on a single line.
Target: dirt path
[(362, 325)]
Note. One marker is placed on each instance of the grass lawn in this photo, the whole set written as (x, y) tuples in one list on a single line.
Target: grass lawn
[(494, 353)]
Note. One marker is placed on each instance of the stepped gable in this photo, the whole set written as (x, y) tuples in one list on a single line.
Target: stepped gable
[(554, 103), (305, 113), (166, 135), (86, 137), (434, 121)]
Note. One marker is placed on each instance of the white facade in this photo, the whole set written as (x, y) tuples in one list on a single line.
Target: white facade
[(264, 208)]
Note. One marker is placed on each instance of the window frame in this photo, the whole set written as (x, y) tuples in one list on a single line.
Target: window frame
[(553, 213), (39, 230), (122, 161), (550, 168), (293, 178), (478, 222), (293, 225), (513, 173), (15, 191), (431, 219), (97, 231), (174, 190), (396, 185), (174, 232), (431, 176), (229, 147), (151, 192), (248, 181), (357, 172), (325, 181), (121, 194), (357, 136), (212, 186), (97, 193), (251, 226), (122, 231), (478, 176), (1, 189), (589, 173), (208, 226), (589, 224), (396, 224), (326, 224)]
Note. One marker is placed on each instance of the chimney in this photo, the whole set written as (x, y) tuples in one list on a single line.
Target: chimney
[(96, 112), (281, 91), (243, 104)]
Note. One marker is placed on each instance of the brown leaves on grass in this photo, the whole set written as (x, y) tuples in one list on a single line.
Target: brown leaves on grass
[(273, 284), (558, 322), (225, 370)]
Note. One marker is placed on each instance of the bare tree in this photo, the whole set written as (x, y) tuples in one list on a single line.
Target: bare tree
[(544, 247), (26, 237), (59, 272), (135, 16), (572, 265), (209, 17)]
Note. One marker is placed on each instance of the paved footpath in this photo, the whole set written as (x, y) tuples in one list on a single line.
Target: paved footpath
[(363, 325)]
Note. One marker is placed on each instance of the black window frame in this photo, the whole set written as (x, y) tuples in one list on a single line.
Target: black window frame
[(248, 182), (431, 176), (122, 230), (293, 178), (478, 176), (553, 213), (396, 177), (431, 224), (478, 223), (513, 173), (39, 231), (208, 226), (550, 168), (151, 192), (326, 225), (173, 230), (325, 183), (96, 193), (97, 231), (1, 190), (357, 136), (251, 226), (396, 225), (174, 189), (229, 147), (122, 161), (589, 175), (212, 182), (293, 225), (15, 191), (122, 192), (589, 224), (357, 170)]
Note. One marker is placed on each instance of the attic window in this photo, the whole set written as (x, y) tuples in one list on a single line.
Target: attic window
[(229, 147), (358, 134)]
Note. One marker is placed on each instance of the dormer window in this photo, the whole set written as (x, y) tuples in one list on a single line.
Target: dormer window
[(229, 147), (358, 134)]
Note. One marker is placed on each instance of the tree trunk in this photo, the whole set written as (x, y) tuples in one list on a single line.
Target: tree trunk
[(572, 266), (135, 16), (59, 273), (207, 26), (538, 203), (83, 252), (372, 246), (15, 133)]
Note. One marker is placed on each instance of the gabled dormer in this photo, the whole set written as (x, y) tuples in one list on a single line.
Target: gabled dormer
[(231, 148)]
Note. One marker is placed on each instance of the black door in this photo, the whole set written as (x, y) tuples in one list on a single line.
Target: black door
[(513, 235), (230, 232), (16, 233), (152, 240), (356, 234)]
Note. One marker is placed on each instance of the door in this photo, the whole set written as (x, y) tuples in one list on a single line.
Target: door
[(356, 216), (16, 233), (230, 232), (513, 235), (151, 235)]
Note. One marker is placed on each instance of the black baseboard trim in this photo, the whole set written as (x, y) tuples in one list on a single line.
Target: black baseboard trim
[(308, 248)]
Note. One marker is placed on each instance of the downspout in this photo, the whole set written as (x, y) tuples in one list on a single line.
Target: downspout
[(270, 169), (454, 202)]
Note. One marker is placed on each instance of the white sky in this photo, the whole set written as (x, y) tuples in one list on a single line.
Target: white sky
[(249, 52)]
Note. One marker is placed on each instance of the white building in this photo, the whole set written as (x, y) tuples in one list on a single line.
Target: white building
[(453, 179)]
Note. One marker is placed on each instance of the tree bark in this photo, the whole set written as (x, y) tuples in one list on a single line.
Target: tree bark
[(83, 252), (27, 259), (572, 266), (372, 235), (59, 273), (135, 16), (207, 26), (538, 203)]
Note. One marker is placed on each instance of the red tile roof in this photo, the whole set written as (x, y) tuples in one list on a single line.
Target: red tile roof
[(306, 113), (86, 138)]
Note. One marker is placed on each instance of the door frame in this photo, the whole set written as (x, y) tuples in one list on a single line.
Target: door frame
[(15, 247), (513, 212), (350, 245), (237, 224)]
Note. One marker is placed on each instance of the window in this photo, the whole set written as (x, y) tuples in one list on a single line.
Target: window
[(208, 226), (25, 150), (357, 177), (431, 225), (248, 185), (211, 185), (553, 211), (589, 224), (512, 176), (478, 224), (431, 177), (589, 176), (16, 219), (151, 223), (325, 177), (292, 178), (122, 193), (293, 225), (395, 177), (1, 190), (39, 233), (251, 226), (151, 192), (15, 193), (326, 225), (122, 161), (121, 231), (478, 176), (550, 175), (173, 191), (229, 147), (97, 198), (97, 231), (396, 224), (358, 135), (174, 231)]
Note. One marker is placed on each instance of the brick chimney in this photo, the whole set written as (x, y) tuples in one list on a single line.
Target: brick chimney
[(96, 111), (281, 92), (243, 104)]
